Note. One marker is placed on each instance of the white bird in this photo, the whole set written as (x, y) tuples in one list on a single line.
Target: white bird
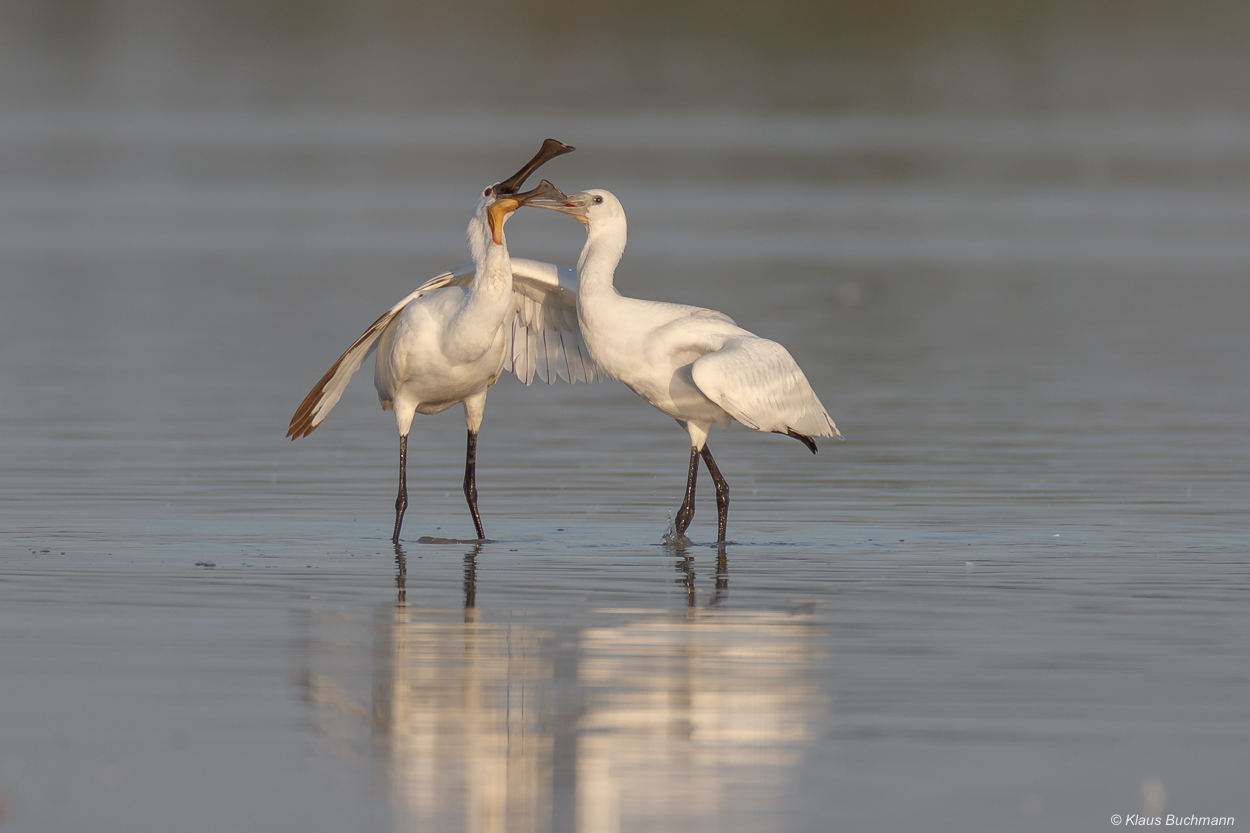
[(448, 341), (694, 364)]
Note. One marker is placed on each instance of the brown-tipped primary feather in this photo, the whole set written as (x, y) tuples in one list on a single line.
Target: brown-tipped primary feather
[(325, 394), (302, 422)]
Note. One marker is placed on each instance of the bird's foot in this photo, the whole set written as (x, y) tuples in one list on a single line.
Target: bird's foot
[(673, 539), (430, 539)]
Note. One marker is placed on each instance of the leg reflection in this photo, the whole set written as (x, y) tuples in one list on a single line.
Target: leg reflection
[(470, 580), (687, 578), (722, 577), (401, 572), (685, 566)]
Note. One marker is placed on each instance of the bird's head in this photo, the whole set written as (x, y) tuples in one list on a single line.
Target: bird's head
[(500, 200), (593, 208), (496, 208)]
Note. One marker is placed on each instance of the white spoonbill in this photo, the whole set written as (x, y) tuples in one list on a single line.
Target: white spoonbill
[(448, 341), (694, 364)]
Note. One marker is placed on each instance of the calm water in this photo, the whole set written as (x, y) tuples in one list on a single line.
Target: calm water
[(1015, 598)]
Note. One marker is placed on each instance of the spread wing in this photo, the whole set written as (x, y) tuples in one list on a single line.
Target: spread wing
[(759, 383), (325, 394), (544, 338)]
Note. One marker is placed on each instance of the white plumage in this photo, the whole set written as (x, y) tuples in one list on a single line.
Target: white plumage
[(694, 364)]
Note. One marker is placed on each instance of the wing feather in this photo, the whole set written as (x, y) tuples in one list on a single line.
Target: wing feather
[(551, 341), (531, 353)]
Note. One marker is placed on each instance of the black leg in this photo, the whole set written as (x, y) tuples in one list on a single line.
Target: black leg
[(470, 483), (722, 495), (686, 513), (401, 501)]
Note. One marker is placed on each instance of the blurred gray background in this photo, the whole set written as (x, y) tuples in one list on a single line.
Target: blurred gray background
[(895, 56)]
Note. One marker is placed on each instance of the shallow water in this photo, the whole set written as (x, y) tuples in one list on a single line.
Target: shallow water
[(1013, 598)]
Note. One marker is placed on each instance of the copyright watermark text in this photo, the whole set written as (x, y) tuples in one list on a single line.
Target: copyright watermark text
[(1170, 820)]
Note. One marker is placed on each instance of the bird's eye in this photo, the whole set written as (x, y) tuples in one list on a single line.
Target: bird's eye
[(486, 193), (597, 200)]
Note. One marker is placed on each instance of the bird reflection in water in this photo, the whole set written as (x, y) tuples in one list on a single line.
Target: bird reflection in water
[(590, 720)]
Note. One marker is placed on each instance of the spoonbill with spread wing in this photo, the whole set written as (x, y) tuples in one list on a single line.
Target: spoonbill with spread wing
[(694, 364), (448, 341)]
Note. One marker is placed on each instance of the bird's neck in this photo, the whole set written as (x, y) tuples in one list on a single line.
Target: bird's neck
[(475, 328), (493, 272), (597, 266)]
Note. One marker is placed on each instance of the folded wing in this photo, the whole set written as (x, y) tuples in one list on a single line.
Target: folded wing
[(758, 382)]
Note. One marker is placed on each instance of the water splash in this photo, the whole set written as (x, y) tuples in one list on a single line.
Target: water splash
[(673, 539)]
